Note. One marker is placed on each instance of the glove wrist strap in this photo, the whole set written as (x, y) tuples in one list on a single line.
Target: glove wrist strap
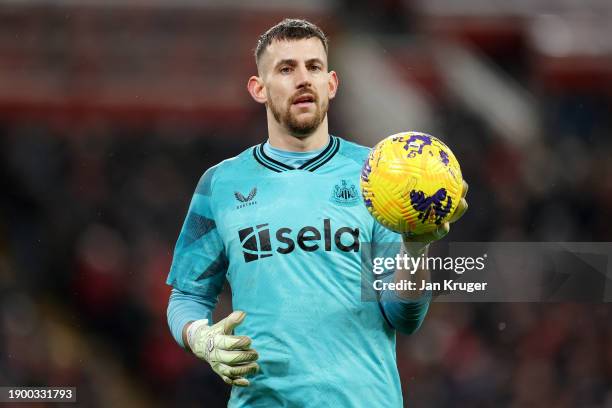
[(193, 329)]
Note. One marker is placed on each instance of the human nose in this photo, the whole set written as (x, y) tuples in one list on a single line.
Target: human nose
[(302, 78)]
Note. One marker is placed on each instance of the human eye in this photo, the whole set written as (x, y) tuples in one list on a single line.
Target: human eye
[(316, 67), (285, 70)]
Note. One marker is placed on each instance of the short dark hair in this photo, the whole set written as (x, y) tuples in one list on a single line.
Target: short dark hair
[(289, 29)]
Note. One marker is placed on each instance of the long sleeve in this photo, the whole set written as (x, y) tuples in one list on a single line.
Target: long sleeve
[(405, 315), (199, 264), (183, 308)]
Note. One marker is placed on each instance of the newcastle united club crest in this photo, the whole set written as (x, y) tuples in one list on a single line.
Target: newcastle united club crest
[(345, 194)]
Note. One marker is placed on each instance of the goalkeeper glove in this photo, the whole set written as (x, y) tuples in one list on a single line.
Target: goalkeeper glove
[(229, 356)]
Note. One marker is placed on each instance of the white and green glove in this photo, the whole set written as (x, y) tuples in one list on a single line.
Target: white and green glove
[(229, 356)]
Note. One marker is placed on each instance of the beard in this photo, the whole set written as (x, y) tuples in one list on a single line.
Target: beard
[(299, 128)]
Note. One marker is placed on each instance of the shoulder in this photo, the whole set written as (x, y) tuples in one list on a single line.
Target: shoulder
[(353, 151), (228, 169)]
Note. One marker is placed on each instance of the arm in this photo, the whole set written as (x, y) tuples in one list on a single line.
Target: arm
[(197, 275), (198, 266), (405, 310), (184, 308)]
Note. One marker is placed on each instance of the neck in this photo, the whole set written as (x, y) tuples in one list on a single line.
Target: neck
[(280, 138)]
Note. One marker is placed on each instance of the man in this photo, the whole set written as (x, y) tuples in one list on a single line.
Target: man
[(272, 222)]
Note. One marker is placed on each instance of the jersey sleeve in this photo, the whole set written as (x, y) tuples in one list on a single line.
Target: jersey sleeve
[(199, 264), (184, 308), (404, 315)]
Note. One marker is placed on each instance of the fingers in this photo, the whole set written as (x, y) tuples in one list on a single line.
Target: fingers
[(462, 206), (239, 382), (233, 320), (234, 375), (441, 231), (233, 357), (420, 238), (459, 211), (427, 237), (237, 371), (225, 342), (414, 248)]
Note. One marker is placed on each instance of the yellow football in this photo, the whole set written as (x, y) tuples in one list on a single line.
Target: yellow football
[(411, 182)]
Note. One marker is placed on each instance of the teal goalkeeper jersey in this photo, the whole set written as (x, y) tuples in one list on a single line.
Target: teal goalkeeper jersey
[(289, 242)]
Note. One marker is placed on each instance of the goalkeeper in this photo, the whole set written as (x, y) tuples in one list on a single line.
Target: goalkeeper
[(284, 223)]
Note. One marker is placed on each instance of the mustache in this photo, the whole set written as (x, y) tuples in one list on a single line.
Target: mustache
[(301, 93)]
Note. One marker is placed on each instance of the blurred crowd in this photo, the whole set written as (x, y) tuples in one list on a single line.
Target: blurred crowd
[(90, 212), (89, 224)]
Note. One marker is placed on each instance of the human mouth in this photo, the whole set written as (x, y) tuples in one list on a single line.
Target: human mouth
[(304, 100)]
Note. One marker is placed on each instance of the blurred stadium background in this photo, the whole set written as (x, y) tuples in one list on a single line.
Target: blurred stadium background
[(110, 111)]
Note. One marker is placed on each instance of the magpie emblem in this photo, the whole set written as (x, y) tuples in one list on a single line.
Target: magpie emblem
[(345, 194)]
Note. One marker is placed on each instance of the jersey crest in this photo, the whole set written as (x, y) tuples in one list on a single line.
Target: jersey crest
[(345, 194)]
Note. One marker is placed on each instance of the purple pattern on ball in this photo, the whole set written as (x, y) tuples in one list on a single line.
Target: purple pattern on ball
[(366, 170), (426, 140), (426, 205), (444, 157)]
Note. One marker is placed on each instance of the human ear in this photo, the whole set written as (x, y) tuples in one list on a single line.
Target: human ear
[(332, 84), (257, 89)]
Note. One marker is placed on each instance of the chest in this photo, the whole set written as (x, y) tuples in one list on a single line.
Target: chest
[(293, 211)]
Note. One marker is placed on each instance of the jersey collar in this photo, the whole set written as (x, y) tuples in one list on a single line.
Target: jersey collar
[(311, 165)]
